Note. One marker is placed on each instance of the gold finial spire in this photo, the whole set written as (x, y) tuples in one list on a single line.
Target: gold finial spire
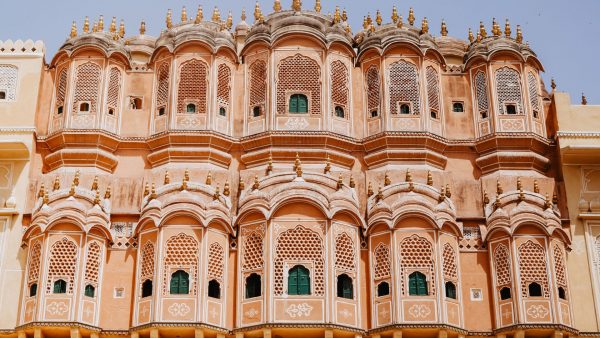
[(216, 16), (153, 191), (243, 16), (97, 198), (471, 37), (113, 25), (352, 184), (296, 161), (429, 178), (444, 29), (536, 187), (257, 12), (400, 22), (583, 99), (369, 20), (296, 5), (107, 193), (482, 31), (167, 178), (101, 24), (95, 27), (378, 18), (519, 184), (229, 22), (340, 182), (217, 193), (56, 185), (318, 6), (337, 18), (448, 192), (424, 26), (547, 202), (86, 25), (241, 185), (299, 170), (169, 20), (226, 189), (142, 27), (408, 176), (507, 30), (256, 184), (327, 168), (186, 175), (270, 165), (495, 27), (46, 198), (370, 189), (95, 183), (122, 29), (76, 178), (499, 189), (479, 37), (365, 23), (146, 189), (73, 29), (344, 15), (184, 17), (72, 190), (394, 15), (411, 16), (519, 37), (209, 178), (199, 15), (41, 191), (386, 180), (277, 5), (379, 195)]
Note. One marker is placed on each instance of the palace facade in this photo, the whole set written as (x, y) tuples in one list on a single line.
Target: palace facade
[(289, 177)]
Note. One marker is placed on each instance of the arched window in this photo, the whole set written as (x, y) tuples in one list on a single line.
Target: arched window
[(404, 109), (339, 111), (535, 290), (458, 107), (450, 290), (561, 293), (180, 283), (505, 293), (147, 288), (222, 111), (84, 107), (345, 289), (383, 289), (298, 104), (90, 291), (190, 108), (253, 286), (298, 281), (33, 289), (214, 289), (60, 286), (511, 109), (111, 111), (256, 111), (417, 284)]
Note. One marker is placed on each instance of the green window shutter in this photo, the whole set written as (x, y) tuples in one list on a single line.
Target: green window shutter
[(60, 286), (347, 291), (89, 291), (294, 104), (412, 285), (184, 284), (421, 285), (293, 282), (303, 282), (302, 104), (174, 284)]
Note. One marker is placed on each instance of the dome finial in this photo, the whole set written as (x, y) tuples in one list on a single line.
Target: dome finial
[(444, 29), (229, 22), (277, 5), (113, 25), (73, 30), (519, 37), (101, 24), (318, 6), (296, 5), (471, 37), (257, 12), (94, 27), (143, 27), (122, 29), (184, 17), (216, 16), (365, 23), (86, 25), (482, 31), (507, 30), (394, 15), (496, 27), (199, 15), (378, 18), (337, 18), (424, 26), (344, 15), (169, 20), (411, 16), (243, 16)]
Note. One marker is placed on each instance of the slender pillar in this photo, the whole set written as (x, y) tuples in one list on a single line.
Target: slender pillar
[(398, 334), (94, 335), (198, 333), (135, 335), (519, 334), (239, 335), (75, 333), (266, 333), (21, 334), (328, 333), (558, 334), (442, 334), (154, 333), (220, 335), (37, 333)]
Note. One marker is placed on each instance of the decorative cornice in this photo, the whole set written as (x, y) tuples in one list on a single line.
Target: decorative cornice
[(578, 134), (180, 324), (58, 324), (17, 130)]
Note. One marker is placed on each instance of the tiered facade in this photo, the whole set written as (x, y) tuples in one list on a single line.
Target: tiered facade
[(284, 178)]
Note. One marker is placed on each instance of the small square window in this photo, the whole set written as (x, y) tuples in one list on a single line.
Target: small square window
[(135, 102), (511, 109), (161, 111), (374, 113), (476, 295), (434, 114), (84, 107), (2, 95), (222, 111), (256, 111), (119, 293), (458, 107)]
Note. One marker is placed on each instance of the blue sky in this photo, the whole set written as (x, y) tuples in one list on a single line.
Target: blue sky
[(564, 34)]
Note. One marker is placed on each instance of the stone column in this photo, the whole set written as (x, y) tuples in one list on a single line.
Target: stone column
[(94, 335), (37, 333), (398, 334), (154, 333), (519, 334), (239, 335), (75, 333), (442, 334), (135, 335), (21, 334), (266, 333), (328, 333)]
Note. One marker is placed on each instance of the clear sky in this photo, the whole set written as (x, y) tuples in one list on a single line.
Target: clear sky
[(565, 34)]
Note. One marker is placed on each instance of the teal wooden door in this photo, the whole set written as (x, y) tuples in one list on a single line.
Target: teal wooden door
[(298, 281), (417, 284)]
